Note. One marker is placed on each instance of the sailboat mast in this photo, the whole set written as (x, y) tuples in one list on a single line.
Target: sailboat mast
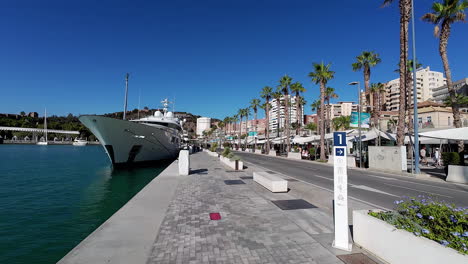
[(126, 94), (45, 124)]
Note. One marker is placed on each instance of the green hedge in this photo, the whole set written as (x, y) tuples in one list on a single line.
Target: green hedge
[(451, 158)]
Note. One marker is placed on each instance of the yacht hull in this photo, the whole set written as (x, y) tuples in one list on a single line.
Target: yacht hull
[(128, 143)]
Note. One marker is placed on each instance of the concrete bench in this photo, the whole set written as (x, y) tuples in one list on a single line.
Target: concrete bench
[(270, 181)]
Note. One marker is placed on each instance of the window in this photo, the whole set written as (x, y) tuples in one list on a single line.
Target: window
[(420, 120), (429, 119)]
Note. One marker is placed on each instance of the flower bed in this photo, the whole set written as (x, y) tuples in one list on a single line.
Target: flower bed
[(430, 218)]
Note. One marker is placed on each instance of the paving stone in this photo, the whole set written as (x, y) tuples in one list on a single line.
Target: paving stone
[(251, 229)]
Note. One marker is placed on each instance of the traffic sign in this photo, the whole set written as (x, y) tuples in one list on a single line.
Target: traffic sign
[(339, 139), (340, 152)]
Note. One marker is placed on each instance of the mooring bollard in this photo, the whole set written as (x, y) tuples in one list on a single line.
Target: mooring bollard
[(184, 162)]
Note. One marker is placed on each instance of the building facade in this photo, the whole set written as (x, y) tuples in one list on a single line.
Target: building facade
[(274, 123), (426, 81), (432, 115), (342, 109), (440, 93), (203, 123)]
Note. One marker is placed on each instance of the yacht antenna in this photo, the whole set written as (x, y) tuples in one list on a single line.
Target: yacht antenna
[(126, 94)]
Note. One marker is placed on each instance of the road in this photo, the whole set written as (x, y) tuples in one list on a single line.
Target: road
[(381, 189)]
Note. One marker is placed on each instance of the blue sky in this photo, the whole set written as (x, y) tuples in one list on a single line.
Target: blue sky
[(213, 57)]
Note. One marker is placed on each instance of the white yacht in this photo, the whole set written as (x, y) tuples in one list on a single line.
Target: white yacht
[(80, 142), (146, 139)]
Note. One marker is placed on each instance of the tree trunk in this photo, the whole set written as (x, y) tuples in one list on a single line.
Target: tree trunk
[(256, 130), (375, 110), (405, 10), (240, 135), (246, 132), (298, 114), (278, 106), (267, 126), (444, 36), (322, 124), (287, 122)]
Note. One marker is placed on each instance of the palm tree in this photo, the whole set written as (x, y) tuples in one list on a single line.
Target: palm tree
[(364, 62), (405, 13), (443, 16), (254, 104), (329, 93), (235, 118), (266, 106), (246, 114), (321, 75), (240, 113), (285, 83), (341, 122), (226, 122), (297, 88), (316, 107), (266, 94), (302, 102)]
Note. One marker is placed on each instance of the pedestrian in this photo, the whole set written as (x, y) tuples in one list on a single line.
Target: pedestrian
[(437, 158), (423, 155)]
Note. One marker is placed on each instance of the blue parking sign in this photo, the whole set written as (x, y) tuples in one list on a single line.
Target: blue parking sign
[(339, 139)]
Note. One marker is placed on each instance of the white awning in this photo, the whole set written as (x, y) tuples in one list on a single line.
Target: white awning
[(450, 134)]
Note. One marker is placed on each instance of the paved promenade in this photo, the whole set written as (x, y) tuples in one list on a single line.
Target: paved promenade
[(252, 229)]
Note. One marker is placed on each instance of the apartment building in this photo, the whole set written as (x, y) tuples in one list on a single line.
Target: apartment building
[(274, 122), (440, 93), (426, 81)]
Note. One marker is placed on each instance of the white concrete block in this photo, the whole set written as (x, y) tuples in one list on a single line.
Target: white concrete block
[(272, 153), (399, 246), (457, 174), (232, 163), (184, 162), (387, 158), (271, 182), (294, 155)]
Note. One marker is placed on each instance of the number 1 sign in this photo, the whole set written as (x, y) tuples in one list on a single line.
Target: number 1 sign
[(340, 182)]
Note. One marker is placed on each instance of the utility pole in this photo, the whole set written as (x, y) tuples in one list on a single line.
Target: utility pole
[(126, 94)]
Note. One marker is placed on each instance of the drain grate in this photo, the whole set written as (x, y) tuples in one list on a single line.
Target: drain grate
[(234, 171), (293, 204), (271, 172), (291, 180), (357, 258), (246, 177), (233, 182)]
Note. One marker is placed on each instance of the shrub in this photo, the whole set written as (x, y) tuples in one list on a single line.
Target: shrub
[(451, 158), (436, 220), (230, 155), (214, 147), (311, 151), (295, 149), (226, 152), (234, 157)]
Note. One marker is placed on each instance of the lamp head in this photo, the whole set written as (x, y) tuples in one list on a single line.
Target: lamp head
[(353, 83)]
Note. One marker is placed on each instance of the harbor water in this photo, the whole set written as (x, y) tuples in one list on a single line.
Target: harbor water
[(52, 197)]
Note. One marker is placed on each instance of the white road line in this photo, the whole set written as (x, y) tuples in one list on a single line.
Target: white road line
[(418, 190), (370, 189), (385, 178), (326, 178)]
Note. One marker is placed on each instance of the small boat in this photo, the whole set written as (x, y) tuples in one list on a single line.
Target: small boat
[(80, 142), (43, 141)]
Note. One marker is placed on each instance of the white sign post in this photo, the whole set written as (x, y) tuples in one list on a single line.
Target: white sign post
[(340, 181)]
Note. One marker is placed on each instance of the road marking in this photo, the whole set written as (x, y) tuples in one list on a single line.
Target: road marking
[(326, 189), (393, 179), (326, 178), (367, 188), (418, 190)]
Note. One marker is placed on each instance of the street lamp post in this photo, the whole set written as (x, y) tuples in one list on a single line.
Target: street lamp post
[(359, 120), (415, 99)]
